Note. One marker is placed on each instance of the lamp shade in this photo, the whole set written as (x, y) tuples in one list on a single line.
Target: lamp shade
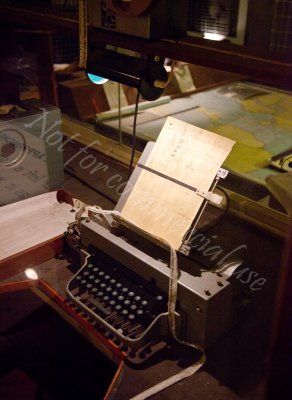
[(140, 73)]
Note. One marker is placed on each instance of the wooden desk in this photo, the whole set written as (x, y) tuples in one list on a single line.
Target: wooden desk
[(235, 364)]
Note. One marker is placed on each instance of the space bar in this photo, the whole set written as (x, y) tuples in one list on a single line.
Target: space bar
[(99, 306)]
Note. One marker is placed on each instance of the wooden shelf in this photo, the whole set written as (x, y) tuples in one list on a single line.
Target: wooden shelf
[(39, 18), (270, 69)]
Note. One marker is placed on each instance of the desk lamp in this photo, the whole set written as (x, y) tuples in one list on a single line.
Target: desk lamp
[(147, 75)]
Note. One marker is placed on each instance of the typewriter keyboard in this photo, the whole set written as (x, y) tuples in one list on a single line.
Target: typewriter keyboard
[(116, 297)]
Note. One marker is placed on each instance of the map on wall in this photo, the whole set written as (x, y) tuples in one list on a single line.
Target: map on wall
[(258, 118)]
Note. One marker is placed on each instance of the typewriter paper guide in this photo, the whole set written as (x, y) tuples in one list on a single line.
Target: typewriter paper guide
[(189, 154)]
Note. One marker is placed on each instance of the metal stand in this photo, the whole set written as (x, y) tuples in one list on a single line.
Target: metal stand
[(185, 247)]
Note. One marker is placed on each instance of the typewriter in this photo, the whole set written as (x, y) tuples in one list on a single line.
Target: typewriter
[(123, 284), (124, 290)]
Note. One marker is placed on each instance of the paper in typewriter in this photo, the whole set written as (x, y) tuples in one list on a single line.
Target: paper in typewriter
[(188, 154)]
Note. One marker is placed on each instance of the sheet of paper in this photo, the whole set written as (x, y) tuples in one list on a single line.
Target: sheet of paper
[(33, 221), (188, 154)]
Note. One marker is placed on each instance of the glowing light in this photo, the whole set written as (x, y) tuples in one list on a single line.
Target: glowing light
[(214, 36), (31, 274), (97, 80)]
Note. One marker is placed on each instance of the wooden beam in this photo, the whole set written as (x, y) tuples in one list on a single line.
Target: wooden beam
[(268, 68), (40, 18)]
